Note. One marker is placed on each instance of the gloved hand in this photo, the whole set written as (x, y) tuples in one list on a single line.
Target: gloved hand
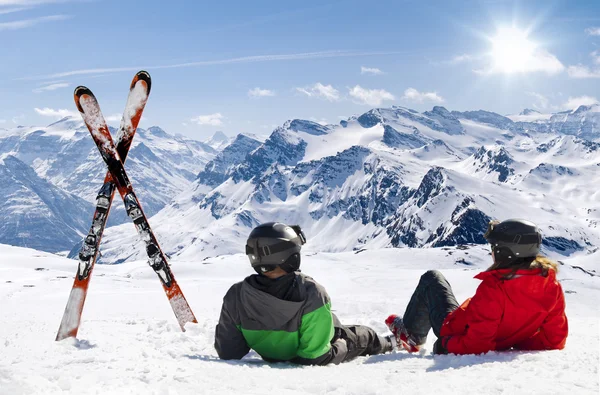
[(439, 347)]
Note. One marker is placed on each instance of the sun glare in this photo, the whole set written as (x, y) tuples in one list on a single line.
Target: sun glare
[(512, 51)]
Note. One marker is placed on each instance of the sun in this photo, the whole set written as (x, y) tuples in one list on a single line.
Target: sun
[(512, 51)]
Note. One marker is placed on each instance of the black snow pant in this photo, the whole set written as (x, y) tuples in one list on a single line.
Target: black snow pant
[(429, 305), (360, 340)]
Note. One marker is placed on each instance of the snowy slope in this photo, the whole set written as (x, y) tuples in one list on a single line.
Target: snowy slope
[(388, 177), (130, 342)]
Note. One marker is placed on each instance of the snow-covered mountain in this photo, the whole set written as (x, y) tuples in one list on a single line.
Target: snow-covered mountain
[(36, 214), (390, 177), (218, 141), (62, 154)]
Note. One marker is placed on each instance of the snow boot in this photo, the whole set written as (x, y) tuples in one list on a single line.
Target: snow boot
[(403, 338)]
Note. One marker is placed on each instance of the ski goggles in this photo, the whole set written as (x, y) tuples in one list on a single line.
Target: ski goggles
[(490, 230)]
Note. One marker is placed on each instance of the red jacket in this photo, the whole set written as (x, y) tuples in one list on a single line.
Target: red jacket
[(526, 312)]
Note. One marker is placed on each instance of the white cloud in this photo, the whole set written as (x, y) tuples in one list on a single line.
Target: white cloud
[(371, 97), (581, 71), (593, 31), (60, 113), (52, 87), (370, 70), (541, 101), (257, 92), (215, 119), (321, 121), (574, 102), (539, 60), (2, 120), (319, 90), (461, 59), (18, 118), (25, 23), (113, 118), (4, 11), (411, 94)]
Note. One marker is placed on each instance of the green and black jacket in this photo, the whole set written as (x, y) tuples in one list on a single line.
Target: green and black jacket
[(296, 325)]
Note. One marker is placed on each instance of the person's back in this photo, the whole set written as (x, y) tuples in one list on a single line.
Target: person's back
[(273, 315), (524, 310), (519, 303), (283, 314)]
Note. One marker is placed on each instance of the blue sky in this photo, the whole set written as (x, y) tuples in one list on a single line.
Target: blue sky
[(242, 66)]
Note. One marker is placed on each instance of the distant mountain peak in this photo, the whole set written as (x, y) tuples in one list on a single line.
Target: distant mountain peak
[(219, 136), (67, 123), (529, 111), (587, 108), (302, 125)]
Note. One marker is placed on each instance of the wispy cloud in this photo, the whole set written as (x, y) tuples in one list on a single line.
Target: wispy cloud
[(245, 59), (25, 23), (215, 119), (320, 121), (459, 59), (541, 101), (370, 70), (257, 92), (593, 31), (582, 71), (319, 90), (52, 87), (113, 118), (413, 95), (462, 58), (2, 120), (55, 113), (371, 97), (539, 60), (574, 102), (4, 11), (20, 3), (18, 119)]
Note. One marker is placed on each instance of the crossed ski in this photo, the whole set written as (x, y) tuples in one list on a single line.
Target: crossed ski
[(116, 177)]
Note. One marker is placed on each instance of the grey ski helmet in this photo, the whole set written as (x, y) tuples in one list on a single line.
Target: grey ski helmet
[(273, 244), (514, 238)]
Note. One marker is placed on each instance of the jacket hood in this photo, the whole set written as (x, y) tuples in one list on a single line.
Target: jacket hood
[(267, 309), (521, 272)]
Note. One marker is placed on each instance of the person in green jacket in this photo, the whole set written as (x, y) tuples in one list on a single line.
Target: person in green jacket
[(285, 315)]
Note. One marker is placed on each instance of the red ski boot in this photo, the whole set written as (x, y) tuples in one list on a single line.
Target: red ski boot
[(402, 336)]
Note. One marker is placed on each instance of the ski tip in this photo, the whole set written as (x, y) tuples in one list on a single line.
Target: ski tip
[(142, 75), (80, 91)]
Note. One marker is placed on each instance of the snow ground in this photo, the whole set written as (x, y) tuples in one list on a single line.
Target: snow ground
[(130, 343)]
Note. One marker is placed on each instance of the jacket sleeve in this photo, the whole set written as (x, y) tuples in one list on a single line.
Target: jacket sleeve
[(553, 332), (483, 316), (317, 332), (229, 341)]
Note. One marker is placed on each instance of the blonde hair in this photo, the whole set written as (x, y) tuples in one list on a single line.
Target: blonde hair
[(537, 262)]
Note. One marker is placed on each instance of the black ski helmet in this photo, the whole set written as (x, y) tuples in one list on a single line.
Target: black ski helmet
[(514, 238), (273, 244)]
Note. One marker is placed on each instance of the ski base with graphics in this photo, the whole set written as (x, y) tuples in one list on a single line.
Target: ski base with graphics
[(139, 91)]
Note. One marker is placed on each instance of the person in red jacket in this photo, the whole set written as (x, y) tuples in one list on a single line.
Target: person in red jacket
[(519, 303)]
